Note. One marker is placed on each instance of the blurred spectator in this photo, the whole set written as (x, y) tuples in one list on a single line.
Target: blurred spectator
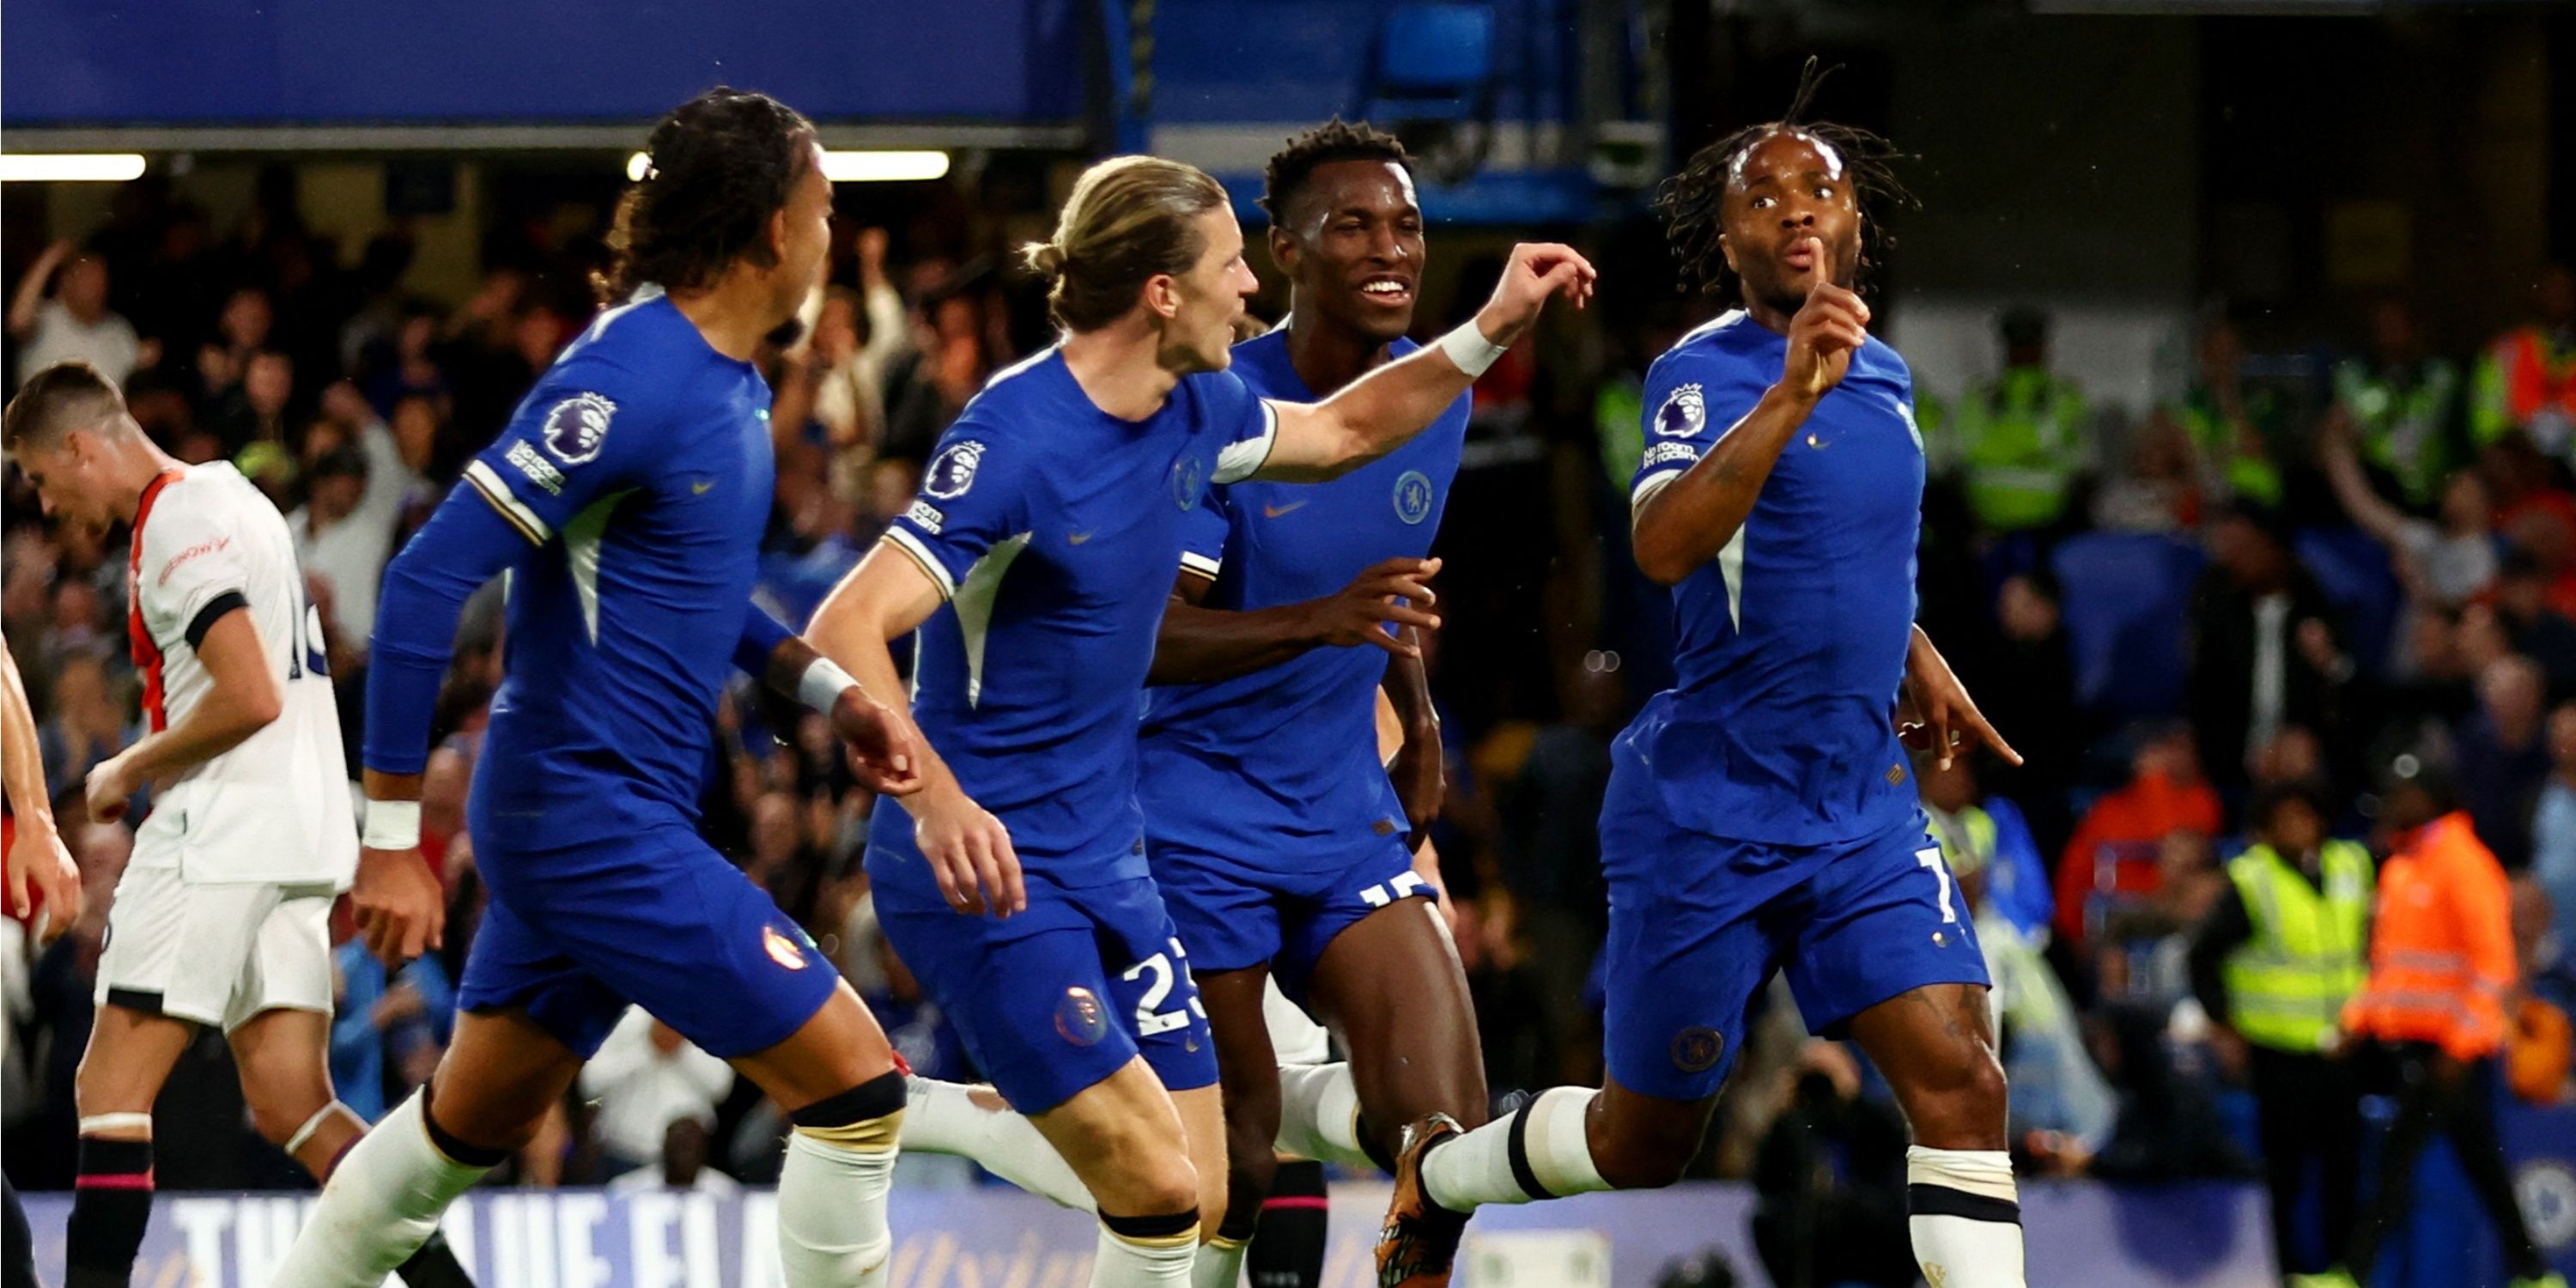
[(2263, 650), (2023, 439), (88, 725), (1831, 1176), (2553, 831), (949, 368), (2521, 618), (2234, 432), (250, 424), (687, 1148), (338, 544), (2062, 1111), (406, 1020), (2503, 758), (2443, 564), (644, 1076), (2115, 855), (913, 1023), (2401, 406), (2527, 378), (1987, 837), (2272, 965), (74, 325), (2441, 968), (2158, 491), (2026, 685)]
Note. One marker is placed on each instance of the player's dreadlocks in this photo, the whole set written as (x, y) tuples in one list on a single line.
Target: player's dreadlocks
[(1334, 140), (1692, 202), (720, 165)]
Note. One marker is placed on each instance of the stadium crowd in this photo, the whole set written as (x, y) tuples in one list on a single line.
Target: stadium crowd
[(2295, 574)]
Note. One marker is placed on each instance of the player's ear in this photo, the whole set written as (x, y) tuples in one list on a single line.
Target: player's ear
[(778, 236), (1163, 295), (1283, 250), (1727, 248)]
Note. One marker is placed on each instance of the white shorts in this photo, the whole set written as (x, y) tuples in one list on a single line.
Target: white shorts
[(1295, 1037), (215, 954)]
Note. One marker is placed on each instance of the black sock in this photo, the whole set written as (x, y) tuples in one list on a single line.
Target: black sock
[(111, 1204), (434, 1266), (17, 1242), (1288, 1245)]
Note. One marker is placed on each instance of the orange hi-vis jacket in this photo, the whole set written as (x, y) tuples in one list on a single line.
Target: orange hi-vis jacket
[(2441, 945)]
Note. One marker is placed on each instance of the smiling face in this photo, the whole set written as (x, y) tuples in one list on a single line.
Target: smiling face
[(1351, 244), (1781, 190)]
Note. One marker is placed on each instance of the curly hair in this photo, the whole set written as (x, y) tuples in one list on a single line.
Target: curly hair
[(1692, 203), (718, 167), (1127, 222), (1334, 140)]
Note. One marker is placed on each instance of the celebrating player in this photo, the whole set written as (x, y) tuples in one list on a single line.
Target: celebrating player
[(1272, 826), (223, 915), (1759, 814), (1048, 524), (626, 499)]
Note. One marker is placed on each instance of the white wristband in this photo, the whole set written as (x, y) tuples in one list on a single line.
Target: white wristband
[(1469, 348), (821, 685), (392, 825)]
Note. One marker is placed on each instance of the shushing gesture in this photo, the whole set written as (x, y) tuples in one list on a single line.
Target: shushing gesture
[(1828, 329)]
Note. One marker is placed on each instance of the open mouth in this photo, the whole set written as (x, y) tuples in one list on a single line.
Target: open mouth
[(1387, 289), (1800, 257)]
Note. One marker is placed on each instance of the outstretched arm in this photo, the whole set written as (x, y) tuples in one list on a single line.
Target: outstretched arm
[(30, 295), (1375, 414)]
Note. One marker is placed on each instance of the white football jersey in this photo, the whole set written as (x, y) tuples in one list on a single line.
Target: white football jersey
[(277, 807)]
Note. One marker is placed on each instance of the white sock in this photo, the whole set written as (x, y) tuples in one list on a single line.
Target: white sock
[(1219, 1263), (832, 1213), (1475, 1169), (1158, 1261), (381, 1204), (1319, 1114), (944, 1118), (1965, 1216)]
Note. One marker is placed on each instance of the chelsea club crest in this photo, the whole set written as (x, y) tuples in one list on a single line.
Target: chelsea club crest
[(1189, 478), (1413, 496)]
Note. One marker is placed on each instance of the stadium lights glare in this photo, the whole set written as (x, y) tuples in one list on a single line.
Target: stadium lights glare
[(848, 167), (74, 167)]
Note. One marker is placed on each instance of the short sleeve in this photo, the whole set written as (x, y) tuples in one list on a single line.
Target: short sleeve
[(1245, 423), (192, 572), (1692, 400), (1204, 529), (974, 496), (586, 432)]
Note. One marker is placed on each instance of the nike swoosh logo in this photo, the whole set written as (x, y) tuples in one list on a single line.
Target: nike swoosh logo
[(1077, 538), (1274, 511), (701, 487)]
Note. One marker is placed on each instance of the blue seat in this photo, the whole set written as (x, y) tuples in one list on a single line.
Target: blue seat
[(1434, 61), (2127, 610), (2354, 570)]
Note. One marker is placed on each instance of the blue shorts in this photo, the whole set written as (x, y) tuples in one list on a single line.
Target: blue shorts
[(1698, 923), (1233, 914), (1057, 998), (657, 919)]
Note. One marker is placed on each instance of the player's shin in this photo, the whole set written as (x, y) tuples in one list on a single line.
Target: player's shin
[(1319, 1115), (383, 1201), (1965, 1216), (1146, 1251), (832, 1229), (1539, 1151), (112, 1201), (974, 1123)]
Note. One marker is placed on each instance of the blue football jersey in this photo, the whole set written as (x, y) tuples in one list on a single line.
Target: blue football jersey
[(1279, 768), (1054, 528), (640, 469), (1790, 644)]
